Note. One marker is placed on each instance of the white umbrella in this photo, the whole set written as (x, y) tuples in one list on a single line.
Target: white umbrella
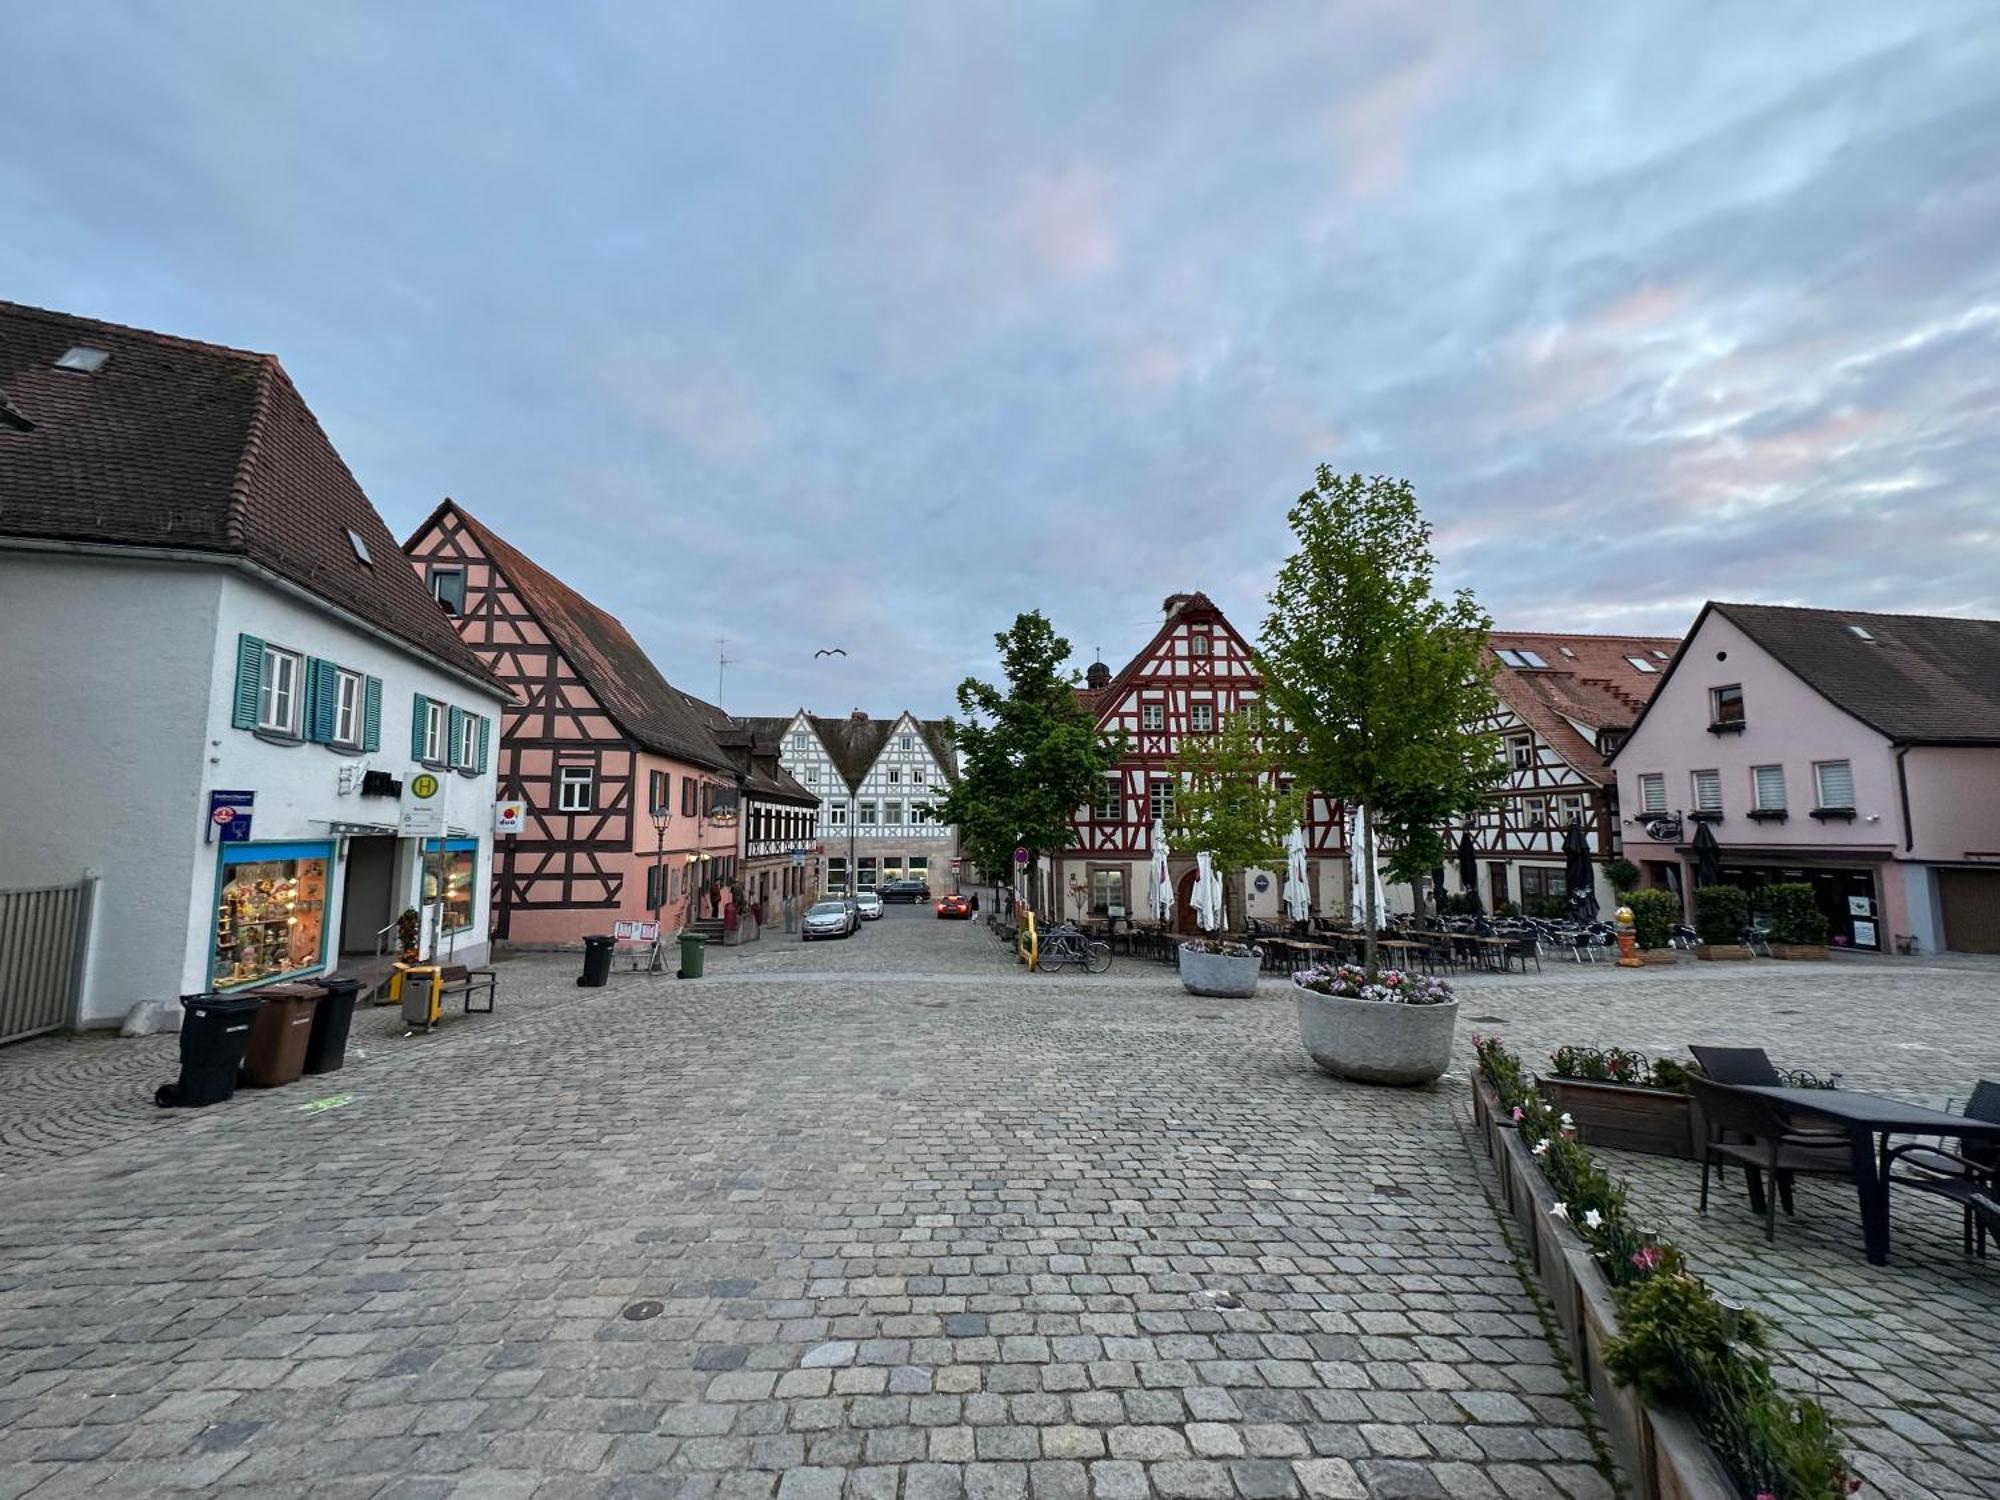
[(1360, 872), (1163, 891), (1298, 896), (1207, 894)]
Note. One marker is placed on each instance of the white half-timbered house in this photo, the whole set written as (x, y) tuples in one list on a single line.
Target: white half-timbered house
[(1195, 671)]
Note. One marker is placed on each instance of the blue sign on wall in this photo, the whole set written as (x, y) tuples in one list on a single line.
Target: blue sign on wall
[(229, 816)]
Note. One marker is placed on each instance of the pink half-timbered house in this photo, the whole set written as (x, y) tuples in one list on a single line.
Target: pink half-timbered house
[(596, 743), (1195, 671)]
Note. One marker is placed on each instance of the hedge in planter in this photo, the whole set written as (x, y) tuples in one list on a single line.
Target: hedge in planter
[(1797, 923), (1654, 913), (1721, 912)]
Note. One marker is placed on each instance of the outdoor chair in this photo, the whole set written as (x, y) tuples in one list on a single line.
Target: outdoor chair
[(1523, 948), (1581, 948), (1962, 1176), (1766, 1142)]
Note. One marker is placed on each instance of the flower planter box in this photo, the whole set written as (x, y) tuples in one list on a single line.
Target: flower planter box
[(1376, 1041), (1659, 955), (1661, 1453), (1722, 952), (1226, 976), (1798, 951), (1624, 1116)]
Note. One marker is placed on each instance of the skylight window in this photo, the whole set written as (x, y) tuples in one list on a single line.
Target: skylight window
[(1641, 664), (360, 547), (1860, 633), (1567, 652), (84, 360), (1658, 654), (1534, 660), (1511, 658)]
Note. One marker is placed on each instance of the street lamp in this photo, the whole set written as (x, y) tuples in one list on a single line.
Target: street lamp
[(661, 817)]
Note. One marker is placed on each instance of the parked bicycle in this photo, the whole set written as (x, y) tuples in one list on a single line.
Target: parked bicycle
[(1064, 944)]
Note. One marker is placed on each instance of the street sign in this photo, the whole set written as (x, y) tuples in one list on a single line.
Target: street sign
[(798, 857), (510, 815), (1020, 856), (229, 816), (423, 815), (956, 863)]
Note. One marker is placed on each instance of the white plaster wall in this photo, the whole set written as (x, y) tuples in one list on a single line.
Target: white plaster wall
[(104, 672)]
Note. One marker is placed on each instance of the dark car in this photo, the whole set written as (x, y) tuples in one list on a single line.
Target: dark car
[(904, 890), (955, 906)]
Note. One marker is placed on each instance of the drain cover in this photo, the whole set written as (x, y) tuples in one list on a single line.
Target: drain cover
[(639, 1312), (1488, 1020), (1391, 1190)]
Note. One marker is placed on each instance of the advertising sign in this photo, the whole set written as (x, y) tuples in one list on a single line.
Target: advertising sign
[(510, 815), (422, 816), (229, 816), (635, 932)]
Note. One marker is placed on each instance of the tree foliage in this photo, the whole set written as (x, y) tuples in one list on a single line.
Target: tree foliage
[(1384, 684), (1029, 755), (1227, 801)]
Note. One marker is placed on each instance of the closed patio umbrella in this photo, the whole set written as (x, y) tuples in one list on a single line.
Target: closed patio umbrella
[(1579, 874), (1298, 894), (1207, 894), (1468, 867), (1437, 889), (1161, 897), (1707, 857), (1358, 871)]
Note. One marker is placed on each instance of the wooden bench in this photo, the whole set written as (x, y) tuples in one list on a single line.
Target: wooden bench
[(470, 982)]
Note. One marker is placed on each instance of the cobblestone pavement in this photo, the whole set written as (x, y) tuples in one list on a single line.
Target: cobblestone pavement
[(910, 1223)]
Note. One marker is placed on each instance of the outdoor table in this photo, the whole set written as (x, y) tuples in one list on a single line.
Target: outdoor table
[(1869, 1119)]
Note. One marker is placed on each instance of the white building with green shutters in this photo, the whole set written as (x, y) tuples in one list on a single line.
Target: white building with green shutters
[(255, 740)]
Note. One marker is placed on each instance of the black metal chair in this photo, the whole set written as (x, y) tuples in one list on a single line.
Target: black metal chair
[(1524, 948), (1767, 1142), (1741, 1065), (1963, 1176)]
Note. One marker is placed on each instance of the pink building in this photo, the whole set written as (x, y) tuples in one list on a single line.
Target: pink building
[(1859, 753), (597, 743)]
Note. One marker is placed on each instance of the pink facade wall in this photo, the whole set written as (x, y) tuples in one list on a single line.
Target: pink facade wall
[(1954, 803)]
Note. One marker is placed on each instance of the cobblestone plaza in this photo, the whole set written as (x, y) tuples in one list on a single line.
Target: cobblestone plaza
[(889, 1218)]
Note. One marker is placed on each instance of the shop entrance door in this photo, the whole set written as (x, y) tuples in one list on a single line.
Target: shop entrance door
[(365, 905)]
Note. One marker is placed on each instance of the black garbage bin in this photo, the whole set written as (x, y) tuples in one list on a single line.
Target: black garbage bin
[(326, 1048), (596, 961), (214, 1031)]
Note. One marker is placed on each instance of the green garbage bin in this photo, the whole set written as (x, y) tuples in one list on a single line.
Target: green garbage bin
[(692, 944)]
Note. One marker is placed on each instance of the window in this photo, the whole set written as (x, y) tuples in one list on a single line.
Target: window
[(1110, 805), (895, 777), (468, 741), (1521, 750), (1534, 812), (1835, 781), (1768, 783), (799, 740), (1544, 883), (812, 775), (1725, 705), (690, 797), (450, 866), (83, 360), (920, 812), (1640, 664), (1860, 632), (1107, 893), (867, 813), (892, 813), (1708, 791), (347, 698), (1202, 717), (1653, 793), (867, 870), (909, 743), (1199, 643), (1152, 716), (434, 733), (360, 548), (1571, 806), (278, 694), (574, 786), (1160, 798), (659, 793), (1509, 658), (448, 588), (836, 873), (920, 866), (836, 815), (270, 915)]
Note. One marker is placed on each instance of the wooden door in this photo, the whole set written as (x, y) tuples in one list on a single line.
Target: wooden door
[(1970, 903), (1184, 903)]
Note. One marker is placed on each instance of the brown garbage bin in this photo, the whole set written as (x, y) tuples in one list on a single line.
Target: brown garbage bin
[(277, 1051)]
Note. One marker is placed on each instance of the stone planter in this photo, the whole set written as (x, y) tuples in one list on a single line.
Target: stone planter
[(1798, 951), (1659, 956), (1372, 1041), (1224, 975), (1624, 1116), (1722, 952)]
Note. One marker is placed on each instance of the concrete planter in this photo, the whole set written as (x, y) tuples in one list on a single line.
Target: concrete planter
[(1798, 952), (1624, 1116), (1224, 975), (1722, 952), (1374, 1042)]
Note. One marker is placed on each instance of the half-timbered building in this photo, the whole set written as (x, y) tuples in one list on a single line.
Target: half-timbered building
[(1194, 672), (599, 746), (780, 851), (1563, 704)]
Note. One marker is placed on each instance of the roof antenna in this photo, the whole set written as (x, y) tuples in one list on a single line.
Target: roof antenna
[(723, 661)]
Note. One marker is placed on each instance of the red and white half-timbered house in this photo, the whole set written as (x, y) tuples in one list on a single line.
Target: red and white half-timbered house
[(1195, 671), (1563, 704), (595, 742)]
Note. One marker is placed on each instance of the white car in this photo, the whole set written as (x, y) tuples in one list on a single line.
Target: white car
[(870, 904), (827, 919)]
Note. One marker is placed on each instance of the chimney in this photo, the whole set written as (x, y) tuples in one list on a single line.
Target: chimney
[(1173, 603), (1098, 676)]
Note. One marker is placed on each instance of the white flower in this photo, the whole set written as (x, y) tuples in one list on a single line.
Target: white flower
[(1567, 1122), (1541, 1148), (1592, 1219), (1561, 1210)]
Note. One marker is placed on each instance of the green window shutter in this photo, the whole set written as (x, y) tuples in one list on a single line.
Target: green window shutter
[(419, 712), (371, 715), (454, 728), (321, 679), (249, 681), (485, 731)]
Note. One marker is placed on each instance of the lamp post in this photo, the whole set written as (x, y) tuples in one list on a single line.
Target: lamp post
[(661, 817)]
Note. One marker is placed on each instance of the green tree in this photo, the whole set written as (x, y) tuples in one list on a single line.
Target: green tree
[(1227, 802), (1029, 756), (1384, 685)]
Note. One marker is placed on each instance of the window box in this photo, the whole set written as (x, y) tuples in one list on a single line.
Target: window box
[(1700, 816), (1833, 814), (1766, 815), (1728, 726)]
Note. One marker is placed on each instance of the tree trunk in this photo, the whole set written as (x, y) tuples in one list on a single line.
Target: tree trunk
[(1369, 914)]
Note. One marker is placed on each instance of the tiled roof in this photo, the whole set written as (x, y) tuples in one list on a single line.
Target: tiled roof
[(1195, 606), (1919, 679), (754, 751), (1589, 680), (623, 678), (194, 447)]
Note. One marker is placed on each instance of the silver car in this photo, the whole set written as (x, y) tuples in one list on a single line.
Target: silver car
[(825, 919)]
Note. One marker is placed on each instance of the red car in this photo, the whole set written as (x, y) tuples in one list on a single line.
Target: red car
[(954, 906)]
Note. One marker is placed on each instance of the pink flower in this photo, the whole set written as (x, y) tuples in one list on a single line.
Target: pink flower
[(1649, 1258), (1766, 1495), (1520, 1114)]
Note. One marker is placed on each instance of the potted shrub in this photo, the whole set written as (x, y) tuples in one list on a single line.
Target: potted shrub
[(1721, 912), (408, 925), (1213, 966), (1623, 875), (1620, 1100), (1798, 926), (1394, 1027), (1654, 913)]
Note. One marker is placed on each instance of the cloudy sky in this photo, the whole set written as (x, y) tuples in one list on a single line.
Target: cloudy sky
[(868, 326)]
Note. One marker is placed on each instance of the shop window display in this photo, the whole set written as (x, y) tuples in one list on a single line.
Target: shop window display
[(270, 915), (450, 866)]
